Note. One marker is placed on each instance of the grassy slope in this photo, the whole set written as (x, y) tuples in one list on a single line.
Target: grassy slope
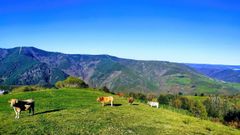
[(72, 111)]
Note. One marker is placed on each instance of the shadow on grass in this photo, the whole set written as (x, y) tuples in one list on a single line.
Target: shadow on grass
[(113, 105), (48, 111), (135, 104)]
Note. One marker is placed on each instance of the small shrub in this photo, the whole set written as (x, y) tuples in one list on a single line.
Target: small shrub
[(59, 84), (105, 89), (177, 103), (180, 93), (186, 121), (233, 118), (151, 97), (71, 82), (214, 106), (165, 99), (140, 96), (187, 103), (27, 88), (198, 110)]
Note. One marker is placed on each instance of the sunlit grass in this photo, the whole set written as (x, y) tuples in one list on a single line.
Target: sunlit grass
[(75, 111)]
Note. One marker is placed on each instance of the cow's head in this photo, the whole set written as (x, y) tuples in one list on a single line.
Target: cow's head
[(99, 99), (13, 102)]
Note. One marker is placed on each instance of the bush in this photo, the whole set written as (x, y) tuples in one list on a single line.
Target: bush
[(198, 110), (177, 103), (233, 118), (27, 88), (105, 89), (71, 82), (59, 84), (151, 97), (214, 106), (180, 93), (187, 103), (165, 99), (139, 96)]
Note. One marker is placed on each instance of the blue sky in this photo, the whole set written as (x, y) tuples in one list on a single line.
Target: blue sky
[(191, 31)]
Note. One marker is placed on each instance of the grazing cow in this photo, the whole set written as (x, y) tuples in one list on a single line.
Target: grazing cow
[(22, 105), (105, 100), (130, 100), (153, 104), (120, 94)]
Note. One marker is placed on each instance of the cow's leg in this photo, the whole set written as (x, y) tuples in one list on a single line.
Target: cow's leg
[(111, 103), (30, 109), (102, 104), (19, 111), (16, 113), (33, 110)]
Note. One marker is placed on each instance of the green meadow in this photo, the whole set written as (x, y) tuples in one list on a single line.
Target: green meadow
[(76, 111)]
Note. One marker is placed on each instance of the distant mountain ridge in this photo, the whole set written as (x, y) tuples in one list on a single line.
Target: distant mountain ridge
[(221, 72), (29, 65)]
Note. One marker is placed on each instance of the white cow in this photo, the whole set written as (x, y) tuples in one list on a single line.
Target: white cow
[(152, 104)]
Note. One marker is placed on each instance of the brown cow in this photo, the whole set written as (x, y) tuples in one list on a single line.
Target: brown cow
[(22, 105), (105, 100), (130, 100), (120, 94)]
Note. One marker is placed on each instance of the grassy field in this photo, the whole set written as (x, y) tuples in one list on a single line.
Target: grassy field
[(75, 111)]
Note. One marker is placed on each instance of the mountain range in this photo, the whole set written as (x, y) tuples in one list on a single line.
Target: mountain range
[(30, 66), (221, 72)]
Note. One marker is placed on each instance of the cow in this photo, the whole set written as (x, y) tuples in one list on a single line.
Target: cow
[(22, 105), (105, 100), (153, 104), (130, 100), (120, 94)]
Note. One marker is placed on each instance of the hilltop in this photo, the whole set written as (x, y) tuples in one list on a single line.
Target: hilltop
[(75, 111), (29, 65)]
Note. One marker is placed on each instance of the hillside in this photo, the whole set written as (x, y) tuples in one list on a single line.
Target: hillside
[(29, 65), (75, 111), (221, 72)]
